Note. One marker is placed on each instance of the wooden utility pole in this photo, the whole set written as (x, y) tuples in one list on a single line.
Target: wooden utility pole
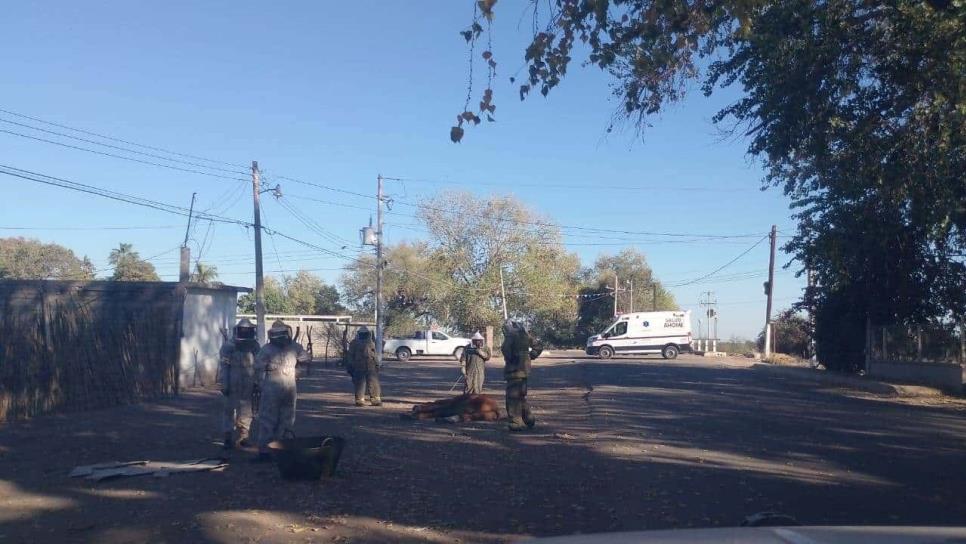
[(185, 269), (653, 297), (259, 280), (630, 284), (503, 294), (379, 269), (615, 293), (770, 290)]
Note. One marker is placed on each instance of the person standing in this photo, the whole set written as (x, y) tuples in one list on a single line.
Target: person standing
[(275, 376), (238, 379), (363, 368), (516, 355), (473, 361)]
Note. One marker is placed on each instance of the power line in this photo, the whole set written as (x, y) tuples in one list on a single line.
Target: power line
[(575, 186), (151, 258), (596, 233), (583, 228), (113, 139), (90, 189), (158, 227), (306, 220), (119, 148), (320, 186), (112, 155), (139, 201), (722, 267)]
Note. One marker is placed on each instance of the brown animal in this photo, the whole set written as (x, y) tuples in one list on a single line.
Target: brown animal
[(466, 407)]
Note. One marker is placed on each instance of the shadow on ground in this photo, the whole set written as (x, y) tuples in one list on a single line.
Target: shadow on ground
[(621, 445)]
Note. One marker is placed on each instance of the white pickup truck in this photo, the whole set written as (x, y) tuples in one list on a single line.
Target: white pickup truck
[(425, 343)]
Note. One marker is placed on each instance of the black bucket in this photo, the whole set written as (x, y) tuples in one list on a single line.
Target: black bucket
[(307, 458)]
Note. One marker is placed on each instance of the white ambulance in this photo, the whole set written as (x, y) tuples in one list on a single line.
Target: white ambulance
[(667, 333)]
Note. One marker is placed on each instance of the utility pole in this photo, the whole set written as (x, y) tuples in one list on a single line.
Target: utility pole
[(653, 297), (769, 290), (630, 283), (503, 294), (615, 293), (185, 269), (259, 280), (379, 269)]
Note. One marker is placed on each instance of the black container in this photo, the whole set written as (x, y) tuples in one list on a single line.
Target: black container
[(307, 458)]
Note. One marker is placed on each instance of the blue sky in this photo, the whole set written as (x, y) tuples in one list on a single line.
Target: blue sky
[(336, 93)]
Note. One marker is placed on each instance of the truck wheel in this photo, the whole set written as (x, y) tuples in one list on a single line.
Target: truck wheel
[(606, 352), (458, 353), (403, 354), (670, 352)]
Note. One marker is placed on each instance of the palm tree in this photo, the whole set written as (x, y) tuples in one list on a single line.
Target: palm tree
[(204, 274), (123, 253), (128, 265)]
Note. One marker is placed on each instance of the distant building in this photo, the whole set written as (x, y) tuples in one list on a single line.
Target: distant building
[(78, 345)]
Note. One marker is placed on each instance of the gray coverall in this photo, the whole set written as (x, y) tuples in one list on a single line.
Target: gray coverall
[(364, 371), (474, 361), (516, 354), (238, 379), (275, 372)]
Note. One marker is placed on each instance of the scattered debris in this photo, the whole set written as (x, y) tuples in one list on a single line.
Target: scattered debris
[(160, 469)]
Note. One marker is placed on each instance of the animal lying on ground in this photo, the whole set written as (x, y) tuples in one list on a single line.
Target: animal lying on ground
[(465, 407)]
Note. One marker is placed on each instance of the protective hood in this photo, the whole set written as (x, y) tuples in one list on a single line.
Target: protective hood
[(513, 327), (280, 329), (245, 330)]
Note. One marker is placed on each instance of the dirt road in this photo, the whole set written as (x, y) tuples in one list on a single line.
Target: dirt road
[(622, 444)]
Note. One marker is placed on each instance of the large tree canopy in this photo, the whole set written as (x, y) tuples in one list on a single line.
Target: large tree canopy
[(454, 278), (855, 108), (25, 259)]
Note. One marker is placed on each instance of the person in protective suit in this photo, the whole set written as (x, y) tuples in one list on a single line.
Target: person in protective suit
[(363, 368), (473, 361), (238, 379), (516, 355), (275, 377)]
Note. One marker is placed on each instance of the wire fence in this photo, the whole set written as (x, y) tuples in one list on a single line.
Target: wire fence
[(938, 342)]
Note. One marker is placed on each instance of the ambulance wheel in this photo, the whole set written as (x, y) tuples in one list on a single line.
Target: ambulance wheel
[(403, 354), (606, 352), (670, 352), (458, 353)]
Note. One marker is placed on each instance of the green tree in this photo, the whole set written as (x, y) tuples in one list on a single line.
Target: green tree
[(454, 278), (205, 274), (328, 301), (596, 304), (416, 292), (856, 109), (793, 334), (22, 258), (471, 239), (308, 294), (128, 265), (276, 301), (303, 293)]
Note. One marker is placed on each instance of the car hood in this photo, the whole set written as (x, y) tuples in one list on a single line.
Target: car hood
[(775, 535)]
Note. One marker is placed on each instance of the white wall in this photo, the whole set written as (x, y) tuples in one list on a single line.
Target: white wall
[(206, 312)]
